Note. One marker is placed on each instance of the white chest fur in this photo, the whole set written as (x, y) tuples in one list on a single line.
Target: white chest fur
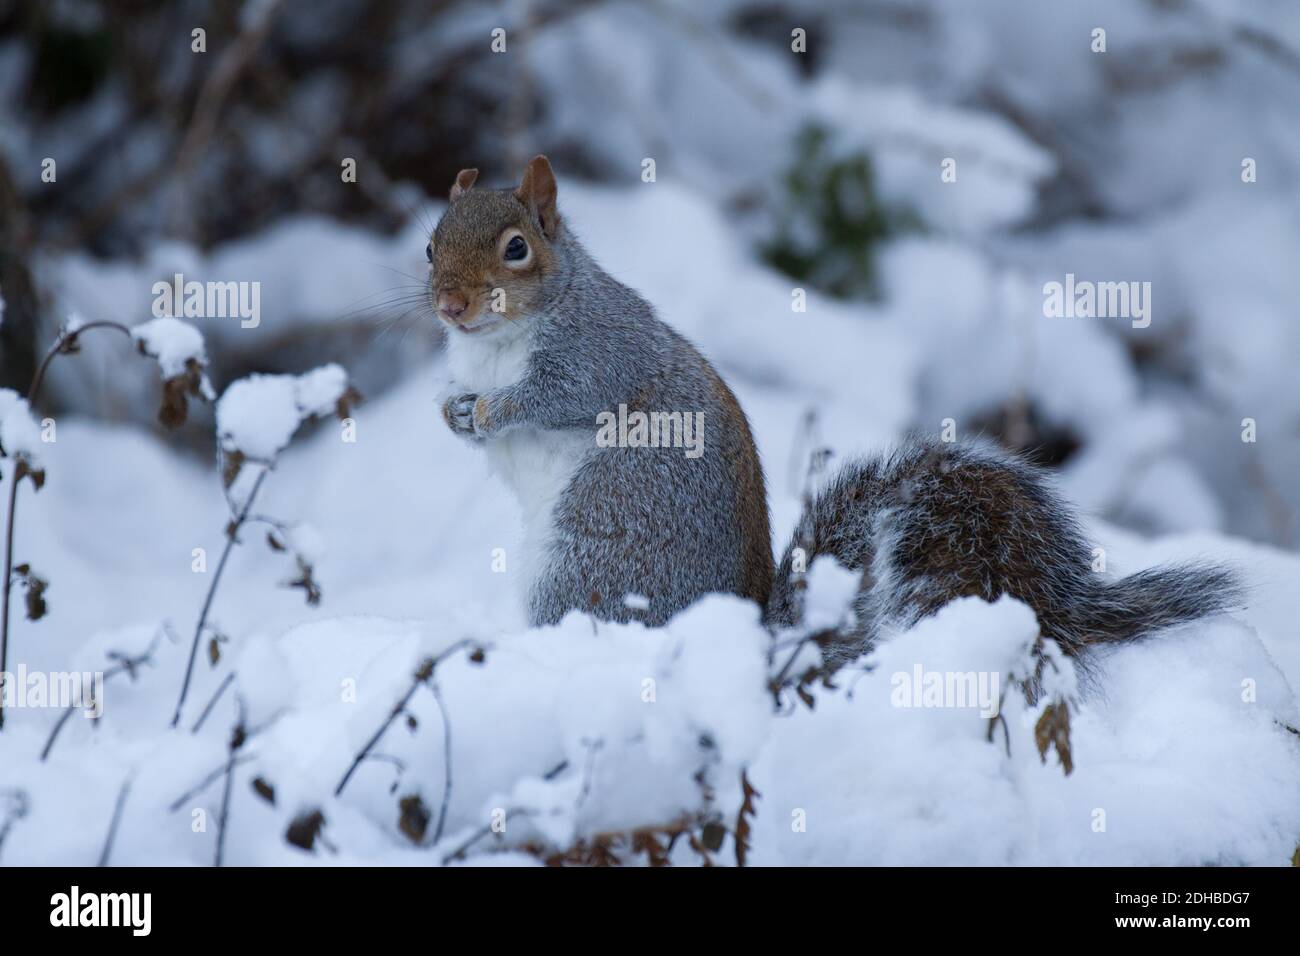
[(536, 464)]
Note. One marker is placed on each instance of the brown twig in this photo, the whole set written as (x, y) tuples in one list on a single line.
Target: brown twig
[(747, 810), (421, 677), (232, 535), (238, 737), (212, 702), (480, 833), (16, 810), (63, 345), (446, 760), (126, 665), (117, 819), (203, 784), (8, 586), (66, 345)]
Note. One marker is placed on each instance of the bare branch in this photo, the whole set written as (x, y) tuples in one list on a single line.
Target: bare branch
[(422, 676), (238, 737), (117, 819), (212, 702), (446, 761), (127, 665), (232, 535)]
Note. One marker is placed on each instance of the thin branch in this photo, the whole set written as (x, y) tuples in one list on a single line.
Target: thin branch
[(203, 784), (238, 738), (117, 819), (232, 535), (8, 586), (778, 682), (480, 833), (212, 702), (126, 665), (17, 809), (63, 346), (421, 676), (446, 759)]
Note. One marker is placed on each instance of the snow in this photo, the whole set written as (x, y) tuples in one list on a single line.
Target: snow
[(20, 435), (173, 343), (1184, 771), (1180, 752), (258, 415), (997, 168), (401, 525)]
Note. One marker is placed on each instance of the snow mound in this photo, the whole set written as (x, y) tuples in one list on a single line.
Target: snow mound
[(557, 736)]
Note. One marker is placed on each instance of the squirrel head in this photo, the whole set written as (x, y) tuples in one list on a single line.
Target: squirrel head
[(493, 249)]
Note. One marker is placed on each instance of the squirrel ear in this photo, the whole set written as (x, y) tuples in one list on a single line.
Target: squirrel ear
[(464, 182), (537, 192)]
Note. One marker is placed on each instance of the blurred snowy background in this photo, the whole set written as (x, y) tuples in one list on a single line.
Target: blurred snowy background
[(1170, 157)]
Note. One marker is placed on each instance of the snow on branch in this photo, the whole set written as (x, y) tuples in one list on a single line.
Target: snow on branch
[(20, 436), (178, 348), (257, 416)]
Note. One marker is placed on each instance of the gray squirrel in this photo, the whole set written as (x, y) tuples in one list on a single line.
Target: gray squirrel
[(545, 348), (933, 521), (543, 343)]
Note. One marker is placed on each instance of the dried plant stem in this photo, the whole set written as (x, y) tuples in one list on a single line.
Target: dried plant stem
[(58, 348), (212, 702), (422, 676), (8, 586), (117, 819), (203, 784), (446, 757), (61, 344), (482, 832), (232, 535), (238, 736), (127, 664)]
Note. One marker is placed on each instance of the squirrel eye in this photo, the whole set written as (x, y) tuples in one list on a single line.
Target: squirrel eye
[(516, 249), (428, 253)]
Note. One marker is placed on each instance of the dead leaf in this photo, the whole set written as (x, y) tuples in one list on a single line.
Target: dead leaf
[(232, 462), (1053, 730), (264, 790), (414, 818), (343, 407), (747, 810), (305, 829)]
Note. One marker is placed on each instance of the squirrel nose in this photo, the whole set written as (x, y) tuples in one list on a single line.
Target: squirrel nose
[(452, 304)]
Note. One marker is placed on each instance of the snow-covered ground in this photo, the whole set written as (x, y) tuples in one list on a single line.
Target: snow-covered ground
[(1178, 745)]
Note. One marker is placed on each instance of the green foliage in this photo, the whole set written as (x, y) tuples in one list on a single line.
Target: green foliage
[(832, 221)]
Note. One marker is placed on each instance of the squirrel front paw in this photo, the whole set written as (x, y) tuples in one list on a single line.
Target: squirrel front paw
[(458, 413)]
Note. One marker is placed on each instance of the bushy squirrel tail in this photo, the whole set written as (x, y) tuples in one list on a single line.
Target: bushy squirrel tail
[(1146, 601), (931, 522)]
